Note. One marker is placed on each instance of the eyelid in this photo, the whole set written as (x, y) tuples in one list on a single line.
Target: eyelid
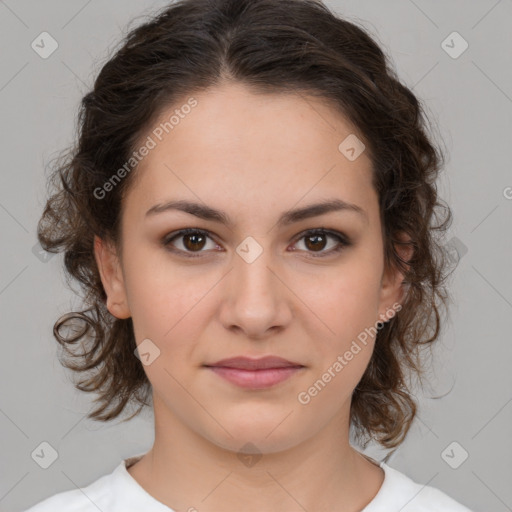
[(344, 241)]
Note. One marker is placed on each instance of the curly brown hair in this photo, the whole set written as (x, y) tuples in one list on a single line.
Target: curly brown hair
[(295, 46)]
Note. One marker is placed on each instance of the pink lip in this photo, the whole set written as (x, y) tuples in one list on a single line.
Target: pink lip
[(255, 379), (255, 373)]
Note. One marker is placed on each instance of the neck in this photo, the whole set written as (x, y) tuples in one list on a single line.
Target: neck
[(186, 471)]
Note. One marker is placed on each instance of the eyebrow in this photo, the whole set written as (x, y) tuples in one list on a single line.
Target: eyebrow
[(288, 217)]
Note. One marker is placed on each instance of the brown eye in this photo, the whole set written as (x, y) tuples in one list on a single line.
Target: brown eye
[(187, 242), (194, 241), (316, 241)]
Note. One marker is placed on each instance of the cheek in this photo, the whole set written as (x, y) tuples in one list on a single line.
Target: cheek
[(349, 307), (162, 296), (346, 302)]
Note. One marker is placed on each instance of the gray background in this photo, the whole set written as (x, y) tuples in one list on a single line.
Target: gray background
[(469, 98)]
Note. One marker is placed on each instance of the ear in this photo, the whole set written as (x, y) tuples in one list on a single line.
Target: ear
[(112, 278), (393, 291)]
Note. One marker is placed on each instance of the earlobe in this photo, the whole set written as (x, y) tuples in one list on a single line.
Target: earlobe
[(112, 278), (393, 289)]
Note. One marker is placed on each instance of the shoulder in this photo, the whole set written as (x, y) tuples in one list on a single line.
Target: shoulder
[(97, 495), (399, 492), (114, 492)]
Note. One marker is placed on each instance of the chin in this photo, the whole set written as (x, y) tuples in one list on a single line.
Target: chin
[(259, 433)]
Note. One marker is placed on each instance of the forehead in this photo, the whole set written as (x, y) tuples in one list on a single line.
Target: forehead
[(256, 149)]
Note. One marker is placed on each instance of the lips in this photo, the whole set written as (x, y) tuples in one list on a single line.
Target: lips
[(247, 363), (249, 373)]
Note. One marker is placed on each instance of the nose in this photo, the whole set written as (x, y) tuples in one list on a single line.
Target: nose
[(256, 300)]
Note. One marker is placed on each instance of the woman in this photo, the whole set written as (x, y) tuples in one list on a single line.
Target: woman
[(250, 208)]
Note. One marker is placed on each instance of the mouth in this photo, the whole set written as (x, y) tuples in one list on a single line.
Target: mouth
[(251, 373)]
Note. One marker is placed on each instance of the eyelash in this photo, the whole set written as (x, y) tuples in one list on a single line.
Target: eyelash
[(343, 241)]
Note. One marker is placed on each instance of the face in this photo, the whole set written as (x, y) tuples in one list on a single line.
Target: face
[(254, 280)]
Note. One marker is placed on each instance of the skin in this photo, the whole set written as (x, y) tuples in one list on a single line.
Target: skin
[(252, 156)]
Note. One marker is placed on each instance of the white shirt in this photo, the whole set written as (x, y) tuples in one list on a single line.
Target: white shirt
[(120, 492)]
